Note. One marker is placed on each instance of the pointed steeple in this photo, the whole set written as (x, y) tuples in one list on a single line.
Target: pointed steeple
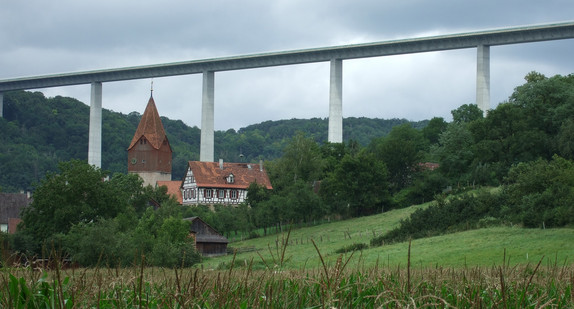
[(150, 127), (149, 153)]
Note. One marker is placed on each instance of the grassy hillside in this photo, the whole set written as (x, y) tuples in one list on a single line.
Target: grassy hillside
[(484, 247)]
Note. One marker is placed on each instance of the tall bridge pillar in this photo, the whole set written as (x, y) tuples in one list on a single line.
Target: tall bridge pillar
[(1, 105), (206, 148), (336, 102), (95, 133), (483, 78)]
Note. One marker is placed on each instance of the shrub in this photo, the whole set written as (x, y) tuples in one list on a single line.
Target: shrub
[(174, 255), (541, 193), (352, 247), (456, 214), (90, 244)]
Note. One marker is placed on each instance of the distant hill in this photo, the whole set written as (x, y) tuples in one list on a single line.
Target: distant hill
[(38, 132)]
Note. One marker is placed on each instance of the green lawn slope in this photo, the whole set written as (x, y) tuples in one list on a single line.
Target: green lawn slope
[(483, 247)]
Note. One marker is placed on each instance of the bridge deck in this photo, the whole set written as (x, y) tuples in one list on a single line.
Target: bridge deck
[(516, 35)]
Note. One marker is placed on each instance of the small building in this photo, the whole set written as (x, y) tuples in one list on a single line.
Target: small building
[(211, 183), (11, 206), (208, 242)]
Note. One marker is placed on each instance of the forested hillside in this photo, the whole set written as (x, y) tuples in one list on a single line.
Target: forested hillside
[(38, 132)]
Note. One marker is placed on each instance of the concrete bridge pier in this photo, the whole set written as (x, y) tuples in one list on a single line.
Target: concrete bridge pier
[(336, 102), (95, 133), (206, 148), (1, 104), (483, 78)]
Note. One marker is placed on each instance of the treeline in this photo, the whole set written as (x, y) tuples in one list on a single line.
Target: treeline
[(39, 132), (515, 144), (75, 215)]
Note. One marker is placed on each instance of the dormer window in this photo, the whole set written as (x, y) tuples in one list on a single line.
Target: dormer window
[(230, 178)]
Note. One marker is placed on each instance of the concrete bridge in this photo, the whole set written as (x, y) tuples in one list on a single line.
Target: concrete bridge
[(481, 40)]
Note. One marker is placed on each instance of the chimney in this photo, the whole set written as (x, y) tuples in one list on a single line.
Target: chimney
[(220, 163), (261, 165)]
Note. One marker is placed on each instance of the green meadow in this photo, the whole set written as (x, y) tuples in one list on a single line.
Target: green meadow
[(497, 267), (294, 249)]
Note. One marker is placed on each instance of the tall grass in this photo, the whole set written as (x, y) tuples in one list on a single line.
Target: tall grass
[(544, 284)]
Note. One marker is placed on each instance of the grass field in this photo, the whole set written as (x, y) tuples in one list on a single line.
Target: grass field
[(483, 247), (501, 267)]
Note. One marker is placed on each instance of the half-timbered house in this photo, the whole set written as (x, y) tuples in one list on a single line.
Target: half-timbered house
[(211, 183)]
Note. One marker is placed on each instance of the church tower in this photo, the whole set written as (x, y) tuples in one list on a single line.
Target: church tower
[(149, 153)]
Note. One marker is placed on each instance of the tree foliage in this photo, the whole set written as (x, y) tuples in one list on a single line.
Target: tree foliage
[(77, 194), (100, 220), (401, 151), (57, 130), (541, 193), (358, 186), (466, 113)]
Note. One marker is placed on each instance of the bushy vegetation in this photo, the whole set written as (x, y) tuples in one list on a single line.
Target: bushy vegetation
[(352, 247), (536, 194), (94, 221), (472, 151)]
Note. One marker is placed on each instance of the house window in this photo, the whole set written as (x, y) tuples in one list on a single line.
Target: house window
[(221, 193), (233, 194), (208, 193), (189, 194), (230, 178)]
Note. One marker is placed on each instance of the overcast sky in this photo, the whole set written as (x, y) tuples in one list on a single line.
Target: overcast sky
[(39, 37)]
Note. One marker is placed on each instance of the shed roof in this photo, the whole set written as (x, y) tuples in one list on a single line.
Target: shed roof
[(207, 238)]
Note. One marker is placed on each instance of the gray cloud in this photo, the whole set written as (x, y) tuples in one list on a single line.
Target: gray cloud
[(45, 37)]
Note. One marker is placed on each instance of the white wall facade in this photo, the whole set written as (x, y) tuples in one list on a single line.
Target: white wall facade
[(192, 194)]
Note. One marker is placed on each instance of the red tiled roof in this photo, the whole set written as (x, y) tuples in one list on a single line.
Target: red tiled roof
[(150, 126), (173, 188), (209, 174)]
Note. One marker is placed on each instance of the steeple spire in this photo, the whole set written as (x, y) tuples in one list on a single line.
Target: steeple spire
[(150, 127)]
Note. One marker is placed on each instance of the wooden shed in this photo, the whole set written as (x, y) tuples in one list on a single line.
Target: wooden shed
[(208, 242)]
